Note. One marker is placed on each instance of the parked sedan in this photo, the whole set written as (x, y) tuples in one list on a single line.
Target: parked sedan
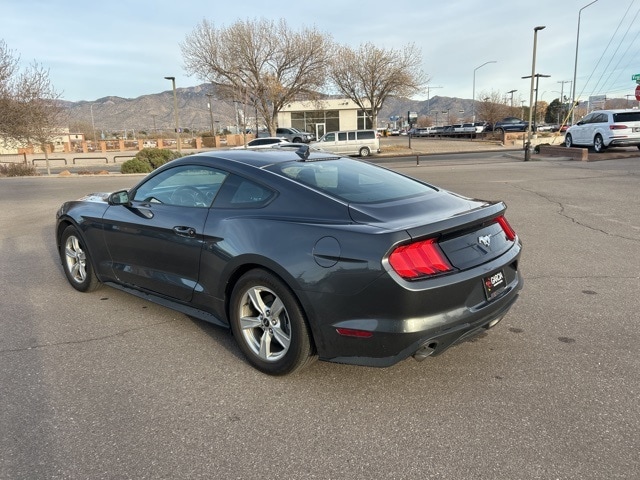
[(605, 128), (301, 254), (264, 142)]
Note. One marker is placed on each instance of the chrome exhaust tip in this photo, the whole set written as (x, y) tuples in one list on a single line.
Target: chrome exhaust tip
[(425, 351)]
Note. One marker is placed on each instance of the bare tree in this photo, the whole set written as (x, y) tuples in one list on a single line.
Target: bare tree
[(369, 75), (262, 61), (31, 112), (493, 107)]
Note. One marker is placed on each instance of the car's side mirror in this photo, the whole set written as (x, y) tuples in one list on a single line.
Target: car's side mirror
[(119, 198)]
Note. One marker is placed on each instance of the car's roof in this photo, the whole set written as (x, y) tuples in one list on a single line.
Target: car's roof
[(267, 156), (617, 110)]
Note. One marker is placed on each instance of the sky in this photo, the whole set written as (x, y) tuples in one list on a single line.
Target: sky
[(125, 49)]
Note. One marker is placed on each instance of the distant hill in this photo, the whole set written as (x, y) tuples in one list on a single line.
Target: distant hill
[(154, 112)]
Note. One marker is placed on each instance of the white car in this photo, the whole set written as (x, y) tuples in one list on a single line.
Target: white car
[(266, 142), (605, 128)]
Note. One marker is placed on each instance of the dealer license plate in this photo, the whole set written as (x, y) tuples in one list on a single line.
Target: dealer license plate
[(494, 284)]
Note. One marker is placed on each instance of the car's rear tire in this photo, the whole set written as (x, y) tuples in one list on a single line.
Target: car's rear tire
[(499, 131), (598, 144), (365, 152), (568, 141), (269, 324), (76, 261)]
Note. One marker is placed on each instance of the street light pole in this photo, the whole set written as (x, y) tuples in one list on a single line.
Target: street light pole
[(511, 92), (575, 66), (527, 147), (473, 110), (175, 112), (535, 103)]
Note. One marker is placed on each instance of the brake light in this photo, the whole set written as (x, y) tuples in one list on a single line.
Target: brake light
[(509, 232), (419, 259), (617, 126)]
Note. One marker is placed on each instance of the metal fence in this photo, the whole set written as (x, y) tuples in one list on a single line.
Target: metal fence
[(13, 158)]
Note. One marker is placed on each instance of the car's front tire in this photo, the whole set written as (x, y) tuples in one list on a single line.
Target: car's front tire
[(76, 261), (568, 141), (598, 144), (269, 324), (365, 152), (499, 131)]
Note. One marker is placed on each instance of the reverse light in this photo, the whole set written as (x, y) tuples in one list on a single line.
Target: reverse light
[(419, 259), (509, 232)]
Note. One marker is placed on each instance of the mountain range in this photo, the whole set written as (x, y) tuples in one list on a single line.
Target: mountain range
[(154, 112)]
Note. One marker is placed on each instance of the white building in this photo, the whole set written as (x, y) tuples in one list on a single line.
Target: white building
[(322, 116)]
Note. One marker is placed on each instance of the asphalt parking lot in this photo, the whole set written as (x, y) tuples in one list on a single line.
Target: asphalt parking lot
[(105, 385)]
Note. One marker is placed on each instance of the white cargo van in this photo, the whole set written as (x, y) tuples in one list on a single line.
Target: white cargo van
[(350, 142)]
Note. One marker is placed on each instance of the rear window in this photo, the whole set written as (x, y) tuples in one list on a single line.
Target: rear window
[(353, 181), (626, 117), (366, 135)]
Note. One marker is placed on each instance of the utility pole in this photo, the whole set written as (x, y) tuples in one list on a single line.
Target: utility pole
[(562, 82), (428, 110), (209, 95)]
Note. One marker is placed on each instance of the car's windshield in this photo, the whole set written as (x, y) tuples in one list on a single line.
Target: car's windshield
[(353, 181)]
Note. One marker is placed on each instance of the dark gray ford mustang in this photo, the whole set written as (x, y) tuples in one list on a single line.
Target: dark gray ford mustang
[(303, 254)]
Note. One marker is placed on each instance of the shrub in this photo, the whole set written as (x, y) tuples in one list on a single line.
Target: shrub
[(18, 170), (536, 149), (135, 165), (148, 159), (157, 156)]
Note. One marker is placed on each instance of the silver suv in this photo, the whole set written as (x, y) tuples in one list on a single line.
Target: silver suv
[(605, 128)]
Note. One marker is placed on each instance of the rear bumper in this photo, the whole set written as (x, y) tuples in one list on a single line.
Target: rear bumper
[(404, 322), (427, 343), (624, 142)]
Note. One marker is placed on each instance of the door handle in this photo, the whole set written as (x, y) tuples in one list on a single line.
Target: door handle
[(185, 231)]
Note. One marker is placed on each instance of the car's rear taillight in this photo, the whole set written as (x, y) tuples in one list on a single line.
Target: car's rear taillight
[(508, 231), (617, 126), (419, 259)]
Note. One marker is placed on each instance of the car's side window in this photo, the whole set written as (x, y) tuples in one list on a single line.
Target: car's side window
[(587, 119), (600, 118), (186, 185), (239, 192)]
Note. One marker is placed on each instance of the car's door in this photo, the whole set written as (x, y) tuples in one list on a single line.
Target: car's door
[(582, 133), (600, 124), (155, 242)]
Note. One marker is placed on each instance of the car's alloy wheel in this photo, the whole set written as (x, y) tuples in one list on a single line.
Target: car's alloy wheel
[(598, 145), (568, 141), (364, 152), (499, 131), (269, 325), (76, 262)]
